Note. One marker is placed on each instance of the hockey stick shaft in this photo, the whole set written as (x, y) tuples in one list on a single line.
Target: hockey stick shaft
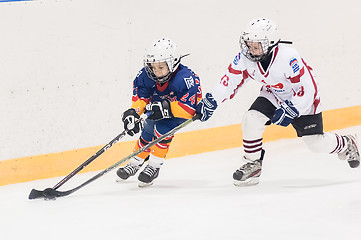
[(91, 159), (97, 154), (100, 174)]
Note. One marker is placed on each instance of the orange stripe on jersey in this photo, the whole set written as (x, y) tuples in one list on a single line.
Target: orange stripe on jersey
[(136, 98), (139, 104), (181, 110)]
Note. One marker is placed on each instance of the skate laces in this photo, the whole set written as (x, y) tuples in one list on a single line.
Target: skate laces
[(131, 169), (250, 167), (352, 152), (149, 170)]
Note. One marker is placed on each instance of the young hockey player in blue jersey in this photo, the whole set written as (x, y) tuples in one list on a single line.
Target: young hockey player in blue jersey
[(170, 91), (289, 95)]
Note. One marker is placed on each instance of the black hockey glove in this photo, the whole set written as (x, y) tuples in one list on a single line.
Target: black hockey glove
[(129, 117), (160, 110), (285, 114), (206, 107)]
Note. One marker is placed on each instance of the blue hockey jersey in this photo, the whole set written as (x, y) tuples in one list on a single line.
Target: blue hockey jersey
[(183, 91)]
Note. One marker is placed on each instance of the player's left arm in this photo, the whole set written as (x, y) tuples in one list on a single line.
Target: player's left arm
[(304, 86), (188, 95)]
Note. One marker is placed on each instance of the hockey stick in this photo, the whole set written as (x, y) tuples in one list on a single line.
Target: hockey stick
[(39, 194), (52, 194)]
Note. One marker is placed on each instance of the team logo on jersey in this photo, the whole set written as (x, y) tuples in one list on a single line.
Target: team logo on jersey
[(276, 86), (294, 65), (189, 82), (237, 58)]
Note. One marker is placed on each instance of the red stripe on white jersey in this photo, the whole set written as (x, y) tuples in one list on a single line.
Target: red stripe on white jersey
[(244, 76), (315, 101), (235, 90), (297, 79), (233, 71)]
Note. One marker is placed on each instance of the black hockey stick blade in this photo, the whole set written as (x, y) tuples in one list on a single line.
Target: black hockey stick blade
[(52, 194), (48, 194), (34, 194)]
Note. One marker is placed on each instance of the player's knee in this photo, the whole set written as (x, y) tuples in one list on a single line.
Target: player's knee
[(314, 142), (253, 119)]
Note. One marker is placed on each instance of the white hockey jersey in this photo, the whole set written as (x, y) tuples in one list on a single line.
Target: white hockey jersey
[(288, 77)]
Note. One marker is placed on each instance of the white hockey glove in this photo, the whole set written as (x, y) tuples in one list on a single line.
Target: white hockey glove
[(285, 114), (160, 110)]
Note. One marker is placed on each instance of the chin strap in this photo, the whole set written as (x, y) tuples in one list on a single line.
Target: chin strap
[(182, 56), (285, 42), (185, 55), (171, 74), (271, 48)]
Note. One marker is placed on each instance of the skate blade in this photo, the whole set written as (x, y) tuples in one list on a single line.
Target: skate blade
[(143, 184), (119, 180), (248, 182)]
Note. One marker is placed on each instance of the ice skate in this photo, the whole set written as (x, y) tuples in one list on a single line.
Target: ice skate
[(129, 170), (249, 173), (351, 153), (147, 176), (125, 172)]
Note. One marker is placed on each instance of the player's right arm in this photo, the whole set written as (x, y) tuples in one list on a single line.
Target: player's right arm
[(142, 92), (234, 78)]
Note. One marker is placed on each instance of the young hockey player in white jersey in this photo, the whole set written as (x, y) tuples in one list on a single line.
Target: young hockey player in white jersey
[(289, 95)]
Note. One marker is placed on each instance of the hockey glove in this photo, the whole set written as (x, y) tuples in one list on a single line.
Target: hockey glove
[(129, 117), (285, 114), (206, 107), (160, 110)]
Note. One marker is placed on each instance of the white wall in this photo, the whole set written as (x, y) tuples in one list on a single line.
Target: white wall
[(66, 67)]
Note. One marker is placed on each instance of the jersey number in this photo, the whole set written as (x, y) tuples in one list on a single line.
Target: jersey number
[(224, 80), (192, 98), (300, 92)]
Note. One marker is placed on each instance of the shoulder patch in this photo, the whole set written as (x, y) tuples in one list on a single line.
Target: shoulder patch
[(139, 73), (189, 82), (237, 58), (294, 64)]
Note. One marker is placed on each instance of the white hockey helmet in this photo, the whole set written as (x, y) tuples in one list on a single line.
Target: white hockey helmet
[(259, 30), (162, 50)]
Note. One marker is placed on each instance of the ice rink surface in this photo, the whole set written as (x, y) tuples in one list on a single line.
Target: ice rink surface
[(302, 195)]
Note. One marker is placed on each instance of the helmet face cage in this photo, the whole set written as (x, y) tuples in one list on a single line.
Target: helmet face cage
[(149, 69), (255, 58), (163, 50), (263, 31)]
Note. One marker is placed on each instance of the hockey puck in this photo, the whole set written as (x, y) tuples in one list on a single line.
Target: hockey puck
[(49, 194)]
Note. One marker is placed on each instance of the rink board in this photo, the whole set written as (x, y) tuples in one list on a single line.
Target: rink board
[(186, 143)]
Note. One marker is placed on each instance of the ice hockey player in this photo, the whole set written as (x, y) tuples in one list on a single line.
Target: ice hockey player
[(289, 95), (170, 91)]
